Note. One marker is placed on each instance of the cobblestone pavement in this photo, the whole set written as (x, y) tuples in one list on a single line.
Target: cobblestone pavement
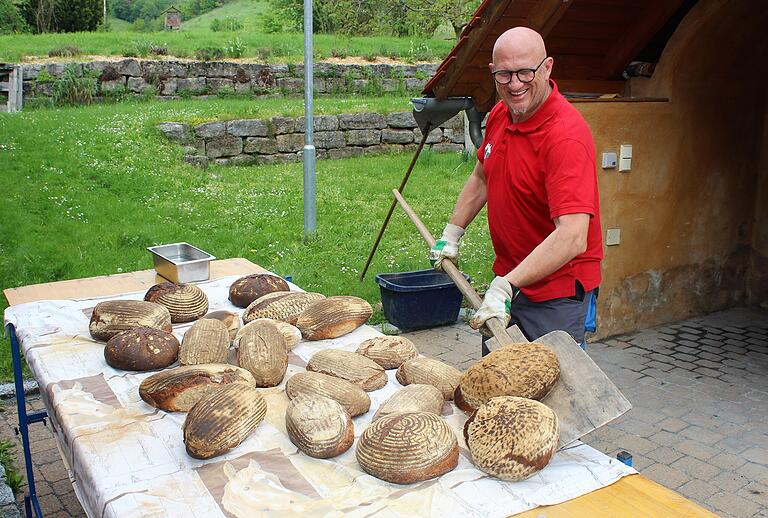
[(699, 422)]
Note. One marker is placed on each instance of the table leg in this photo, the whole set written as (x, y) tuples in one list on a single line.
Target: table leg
[(30, 500)]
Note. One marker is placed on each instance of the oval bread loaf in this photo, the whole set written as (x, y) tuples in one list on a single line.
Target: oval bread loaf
[(285, 306), (413, 398), (222, 420), (179, 389), (249, 288), (291, 333), (114, 316), (352, 397), (207, 341), (388, 351), (141, 349), (333, 317), (230, 320), (526, 370), (262, 350), (185, 302), (408, 447), (430, 372), (319, 426), (511, 437), (350, 366)]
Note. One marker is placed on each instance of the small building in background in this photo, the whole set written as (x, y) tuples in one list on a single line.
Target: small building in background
[(172, 18)]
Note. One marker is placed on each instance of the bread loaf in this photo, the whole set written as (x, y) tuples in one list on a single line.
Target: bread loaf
[(262, 350), (350, 366), (249, 288), (526, 370), (429, 372), (353, 398), (291, 333), (222, 420), (285, 306), (141, 349), (413, 398), (511, 437), (230, 320), (179, 389), (185, 302), (408, 447), (114, 316), (388, 351), (333, 317), (207, 341), (319, 426)]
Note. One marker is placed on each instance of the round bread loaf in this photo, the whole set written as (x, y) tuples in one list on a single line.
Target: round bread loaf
[(352, 397), (526, 370), (249, 288), (230, 320), (388, 351), (333, 317), (408, 447), (262, 350), (319, 426), (114, 316), (222, 420), (141, 349), (207, 341), (350, 366), (285, 306), (179, 389), (291, 333), (413, 398), (185, 302), (430, 372), (512, 438)]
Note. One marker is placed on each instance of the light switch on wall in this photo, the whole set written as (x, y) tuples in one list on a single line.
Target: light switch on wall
[(612, 236), (625, 157), (609, 160)]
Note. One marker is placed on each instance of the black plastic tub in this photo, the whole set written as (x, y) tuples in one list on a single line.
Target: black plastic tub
[(420, 299)]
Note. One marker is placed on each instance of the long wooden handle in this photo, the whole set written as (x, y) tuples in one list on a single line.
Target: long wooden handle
[(494, 325)]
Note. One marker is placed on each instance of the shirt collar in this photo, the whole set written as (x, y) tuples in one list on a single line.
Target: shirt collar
[(542, 115)]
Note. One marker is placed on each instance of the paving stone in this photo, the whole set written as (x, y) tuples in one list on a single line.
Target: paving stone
[(666, 476), (673, 424), (698, 490), (757, 455), (54, 472), (696, 468), (664, 455), (734, 504), (695, 449), (729, 481)]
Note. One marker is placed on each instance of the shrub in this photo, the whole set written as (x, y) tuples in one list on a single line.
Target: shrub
[(209, 53), (235, 48), (72, 89), (338, 53), (230, 23), (139, 48), (420, 52), (264, 53), (12, 475), (66, 51), (11, 20), (271, 22), (158, 50)]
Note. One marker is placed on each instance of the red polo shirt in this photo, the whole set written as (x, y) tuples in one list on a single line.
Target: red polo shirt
[(535, 171)]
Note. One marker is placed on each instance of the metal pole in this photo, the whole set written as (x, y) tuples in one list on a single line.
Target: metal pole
[(310, 206)]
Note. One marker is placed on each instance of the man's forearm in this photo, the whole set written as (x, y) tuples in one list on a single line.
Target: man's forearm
[(472, 198)]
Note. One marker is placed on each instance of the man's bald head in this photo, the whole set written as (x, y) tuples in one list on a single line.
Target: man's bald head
[(522, 41)]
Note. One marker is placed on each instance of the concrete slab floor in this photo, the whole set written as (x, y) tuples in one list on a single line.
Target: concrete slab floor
[(699, 422)]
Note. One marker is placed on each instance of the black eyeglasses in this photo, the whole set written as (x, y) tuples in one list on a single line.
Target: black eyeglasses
[(524, 75)]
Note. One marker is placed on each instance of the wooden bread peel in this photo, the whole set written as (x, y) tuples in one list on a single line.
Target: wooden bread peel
[(583, 398)]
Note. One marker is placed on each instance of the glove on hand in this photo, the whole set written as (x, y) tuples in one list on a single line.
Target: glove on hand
[(446, 246), (496, 304)]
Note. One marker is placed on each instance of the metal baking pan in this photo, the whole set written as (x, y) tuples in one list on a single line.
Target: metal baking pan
[(181, 262)]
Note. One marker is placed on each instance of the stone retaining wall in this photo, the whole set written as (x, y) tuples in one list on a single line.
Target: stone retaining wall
[(281, 139), (173, 78)]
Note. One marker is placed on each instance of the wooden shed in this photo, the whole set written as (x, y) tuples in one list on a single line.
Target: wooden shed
[(687, 92), (172, 18)]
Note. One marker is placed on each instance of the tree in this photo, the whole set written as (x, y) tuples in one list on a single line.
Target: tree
[(457, 12), (11, 20)]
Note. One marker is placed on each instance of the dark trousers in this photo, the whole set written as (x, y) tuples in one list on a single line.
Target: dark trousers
[(535, 319)]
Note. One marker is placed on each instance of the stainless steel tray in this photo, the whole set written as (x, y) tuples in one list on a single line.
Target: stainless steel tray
[(181, 262)]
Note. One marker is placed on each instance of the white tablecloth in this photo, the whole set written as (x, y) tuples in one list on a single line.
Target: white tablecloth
[(127, 458)]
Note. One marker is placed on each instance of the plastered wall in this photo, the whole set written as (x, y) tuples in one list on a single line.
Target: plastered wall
[(693, 210)]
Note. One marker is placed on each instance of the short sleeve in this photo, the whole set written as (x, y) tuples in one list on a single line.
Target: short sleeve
[(571, 180)]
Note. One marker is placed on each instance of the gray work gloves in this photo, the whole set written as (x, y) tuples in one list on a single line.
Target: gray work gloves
[(446, 247), (496, 304)]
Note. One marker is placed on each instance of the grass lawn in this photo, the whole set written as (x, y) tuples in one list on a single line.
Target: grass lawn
[(87, 189)]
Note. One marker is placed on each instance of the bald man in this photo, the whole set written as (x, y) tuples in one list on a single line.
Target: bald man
[(536, 171)]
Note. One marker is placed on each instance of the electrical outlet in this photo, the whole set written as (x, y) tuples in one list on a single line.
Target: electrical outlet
[(612, 236), (609, 160), (625, 157)]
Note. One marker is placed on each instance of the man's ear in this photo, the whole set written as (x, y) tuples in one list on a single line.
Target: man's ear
[(490, 67)]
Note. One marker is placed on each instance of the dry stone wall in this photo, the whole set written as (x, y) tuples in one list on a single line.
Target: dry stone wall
[(175, 78), (281, 139)]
